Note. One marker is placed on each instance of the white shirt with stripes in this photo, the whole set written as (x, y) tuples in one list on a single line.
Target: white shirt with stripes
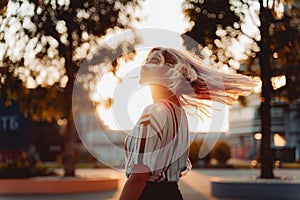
[(160, 140)]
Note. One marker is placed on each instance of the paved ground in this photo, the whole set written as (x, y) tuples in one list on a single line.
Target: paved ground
[(194, 186)]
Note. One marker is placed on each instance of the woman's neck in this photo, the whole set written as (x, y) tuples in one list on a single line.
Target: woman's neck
[(159, 92)]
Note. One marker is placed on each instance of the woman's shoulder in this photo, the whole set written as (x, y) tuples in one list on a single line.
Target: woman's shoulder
[(157, 111), (156, 108)]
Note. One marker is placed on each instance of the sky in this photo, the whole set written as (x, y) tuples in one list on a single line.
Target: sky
[(164, 14)]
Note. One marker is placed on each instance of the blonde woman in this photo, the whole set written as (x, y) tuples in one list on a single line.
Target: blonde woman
[(157, 148)]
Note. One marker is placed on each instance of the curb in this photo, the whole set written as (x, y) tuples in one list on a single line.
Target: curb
[(56, 185), (262, 189)]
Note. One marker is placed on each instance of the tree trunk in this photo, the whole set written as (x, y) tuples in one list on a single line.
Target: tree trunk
[(265, 66), (72, 149), (71, 139), (71, 144)]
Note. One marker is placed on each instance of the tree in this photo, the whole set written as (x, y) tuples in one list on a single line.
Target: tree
[(203, 13), (287, 50), (221, 152), (42, 44), (265, 16), (3, 5)]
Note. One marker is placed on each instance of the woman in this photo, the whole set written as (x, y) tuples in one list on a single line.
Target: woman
[(157, 148)]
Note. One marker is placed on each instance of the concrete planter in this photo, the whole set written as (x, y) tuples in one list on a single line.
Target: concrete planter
[(256, 189), (55, 185)]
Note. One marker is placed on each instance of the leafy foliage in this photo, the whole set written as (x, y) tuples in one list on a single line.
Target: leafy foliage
[(3, 5), (43, 44), (221, 152), (285, 51), (217, 25), (194, 153), (24, 168)]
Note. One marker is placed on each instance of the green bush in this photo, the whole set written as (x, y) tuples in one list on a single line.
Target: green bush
[(194, 154), (221, 152), (24, 168)]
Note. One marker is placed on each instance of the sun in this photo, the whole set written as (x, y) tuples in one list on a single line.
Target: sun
[(129, 97), (124, 119)]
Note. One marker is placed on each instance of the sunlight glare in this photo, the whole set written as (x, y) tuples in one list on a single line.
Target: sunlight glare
[(278, 82), (138, 102), (279, 141), (257, 89), (109, 86), (106, 85)]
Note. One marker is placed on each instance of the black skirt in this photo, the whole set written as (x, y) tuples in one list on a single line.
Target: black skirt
[(163, 190)]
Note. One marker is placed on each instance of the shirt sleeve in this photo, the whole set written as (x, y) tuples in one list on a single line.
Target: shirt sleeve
[(149, 133)]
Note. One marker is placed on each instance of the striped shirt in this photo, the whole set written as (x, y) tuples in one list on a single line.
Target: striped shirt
[(160, 140)]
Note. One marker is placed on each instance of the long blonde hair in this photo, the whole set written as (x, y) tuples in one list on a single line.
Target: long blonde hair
[(204, 83)]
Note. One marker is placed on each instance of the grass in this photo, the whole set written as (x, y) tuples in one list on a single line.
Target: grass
[(24, 168), (282, 165), (290, 165), (82, 165), (78, 165)]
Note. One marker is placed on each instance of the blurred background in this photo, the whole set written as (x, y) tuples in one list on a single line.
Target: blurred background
[(44, 43)]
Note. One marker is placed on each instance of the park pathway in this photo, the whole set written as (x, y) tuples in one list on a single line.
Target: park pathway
[(194, 186)]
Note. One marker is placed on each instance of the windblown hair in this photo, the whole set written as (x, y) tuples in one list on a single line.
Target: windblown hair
[(206, 83)]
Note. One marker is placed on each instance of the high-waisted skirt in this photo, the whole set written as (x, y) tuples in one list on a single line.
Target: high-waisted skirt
[(161, 190)]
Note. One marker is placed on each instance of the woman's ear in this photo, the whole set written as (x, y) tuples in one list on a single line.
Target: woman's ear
[(169, 58)]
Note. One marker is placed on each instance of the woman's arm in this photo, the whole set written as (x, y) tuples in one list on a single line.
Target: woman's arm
[(136, 183)]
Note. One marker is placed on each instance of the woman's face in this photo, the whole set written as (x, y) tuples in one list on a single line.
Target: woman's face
[(152, 70), (152, 73)]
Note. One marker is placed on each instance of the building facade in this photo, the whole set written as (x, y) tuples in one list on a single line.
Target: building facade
[(244, 132)]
